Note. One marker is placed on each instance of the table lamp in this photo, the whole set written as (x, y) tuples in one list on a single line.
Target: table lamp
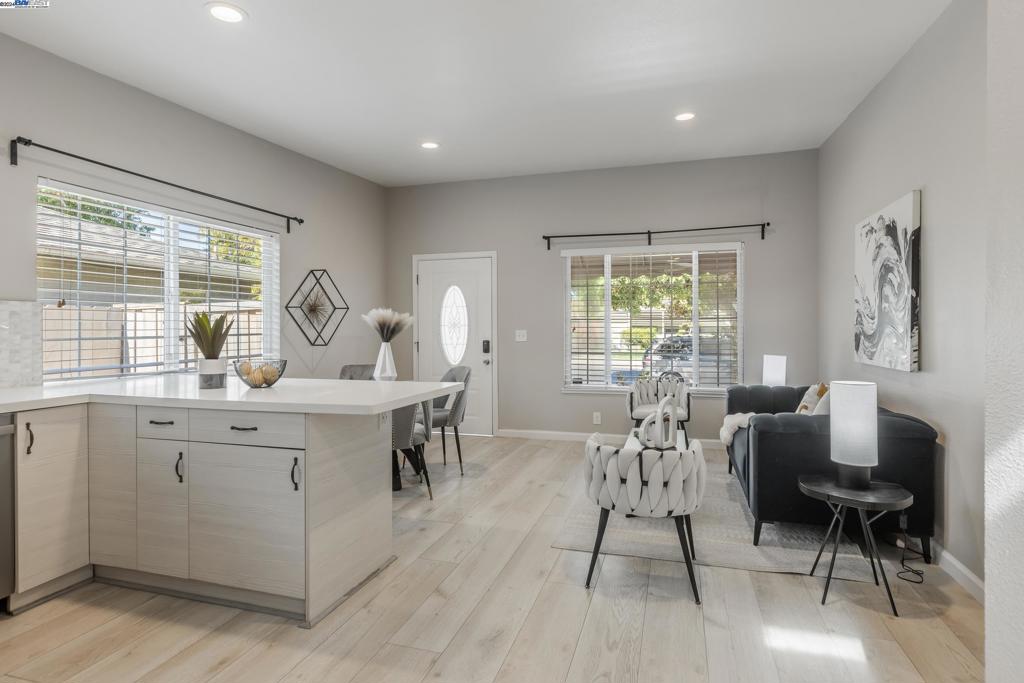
[(854, 431), (774, 371)]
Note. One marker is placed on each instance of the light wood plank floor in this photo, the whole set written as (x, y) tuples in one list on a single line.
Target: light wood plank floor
[(478, 595)]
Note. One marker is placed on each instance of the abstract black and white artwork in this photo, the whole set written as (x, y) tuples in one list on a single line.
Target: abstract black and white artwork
[(887, 280)]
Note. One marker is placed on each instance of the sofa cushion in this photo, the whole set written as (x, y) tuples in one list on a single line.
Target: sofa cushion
[(810, 399), (759, 398)]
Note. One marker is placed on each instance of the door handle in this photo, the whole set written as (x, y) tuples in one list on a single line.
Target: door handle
[(31, 438), (177, 468), (487, 361)]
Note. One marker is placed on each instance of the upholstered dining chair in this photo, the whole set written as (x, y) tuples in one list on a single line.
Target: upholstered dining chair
[(445, 417), (645, 394), (653, 475), (358, 371), (409, 435)]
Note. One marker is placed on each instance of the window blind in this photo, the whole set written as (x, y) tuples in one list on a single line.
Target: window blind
[(117, 281), (633, 314)]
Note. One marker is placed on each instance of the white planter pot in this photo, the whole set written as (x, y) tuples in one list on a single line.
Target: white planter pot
[(213, 374), (385, 370)]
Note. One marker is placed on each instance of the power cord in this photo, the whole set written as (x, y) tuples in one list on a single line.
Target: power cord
[(906, 572)]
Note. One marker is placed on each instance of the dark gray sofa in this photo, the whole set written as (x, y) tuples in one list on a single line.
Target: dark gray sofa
[(779, 446)]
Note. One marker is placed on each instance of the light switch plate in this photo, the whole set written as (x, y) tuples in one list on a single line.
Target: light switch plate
[(597, 418), (520, 335)]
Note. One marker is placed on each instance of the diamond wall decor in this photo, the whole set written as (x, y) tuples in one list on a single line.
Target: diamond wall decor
[(317, 307)]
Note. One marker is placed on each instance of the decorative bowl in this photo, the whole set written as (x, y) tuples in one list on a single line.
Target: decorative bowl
[(260, 372)]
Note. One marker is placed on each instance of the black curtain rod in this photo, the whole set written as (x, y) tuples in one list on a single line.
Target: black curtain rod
[(651, 233), (29, 143)]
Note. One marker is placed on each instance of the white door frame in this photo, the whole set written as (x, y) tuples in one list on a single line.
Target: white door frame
[(495, 346)]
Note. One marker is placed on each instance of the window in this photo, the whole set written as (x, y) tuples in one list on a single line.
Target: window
[(454, 325), (117, 281), (635, 313)]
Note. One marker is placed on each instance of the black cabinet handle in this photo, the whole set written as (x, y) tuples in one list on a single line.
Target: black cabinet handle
[(31, 438), (161, 423), (295, 467), (243, 429), (177, 468)]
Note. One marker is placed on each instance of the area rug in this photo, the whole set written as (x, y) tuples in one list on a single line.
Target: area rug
[(723, 531)]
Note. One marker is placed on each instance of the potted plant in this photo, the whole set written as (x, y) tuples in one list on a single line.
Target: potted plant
[(209, 338), (388, 324)]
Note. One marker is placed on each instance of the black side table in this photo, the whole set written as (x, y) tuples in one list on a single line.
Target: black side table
[(880, 497)]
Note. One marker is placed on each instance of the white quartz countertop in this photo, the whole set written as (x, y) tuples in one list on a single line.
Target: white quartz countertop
[(330, 396)]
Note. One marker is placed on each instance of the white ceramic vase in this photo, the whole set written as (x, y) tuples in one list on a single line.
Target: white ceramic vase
[(385, 370), (213, 373)]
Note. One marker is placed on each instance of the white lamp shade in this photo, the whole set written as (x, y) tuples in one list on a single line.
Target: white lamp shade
[(774, 372), (854, 423)]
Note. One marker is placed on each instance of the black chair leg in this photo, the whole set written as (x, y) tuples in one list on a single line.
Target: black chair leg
[(757, 531), (444, 449), (413, 457), (396, 479), (423, 470), (601, 525), (689, 535), (684, 543), (730, 465), (458, 447)]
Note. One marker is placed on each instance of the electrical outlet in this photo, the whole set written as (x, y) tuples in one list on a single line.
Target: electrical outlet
[(520, 335), (597, 418)]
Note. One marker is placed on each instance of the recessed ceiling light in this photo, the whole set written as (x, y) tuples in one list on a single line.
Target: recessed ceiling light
[(686, 116), (224, 11), (429, 145)]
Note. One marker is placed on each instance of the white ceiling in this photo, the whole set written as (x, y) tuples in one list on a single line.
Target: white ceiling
[(508, 87)]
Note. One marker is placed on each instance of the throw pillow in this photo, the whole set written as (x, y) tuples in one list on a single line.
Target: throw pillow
[(811, 398), (823, 405)]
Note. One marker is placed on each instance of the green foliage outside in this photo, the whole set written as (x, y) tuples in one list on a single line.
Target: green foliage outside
[(639, 337), (638, 293)]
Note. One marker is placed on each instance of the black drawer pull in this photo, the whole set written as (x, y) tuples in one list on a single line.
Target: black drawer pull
[(295, 467), (243, 429), (31, 438), (177, 468), (161, 423)]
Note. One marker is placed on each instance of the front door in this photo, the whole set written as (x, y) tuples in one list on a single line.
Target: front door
[(455, 326)]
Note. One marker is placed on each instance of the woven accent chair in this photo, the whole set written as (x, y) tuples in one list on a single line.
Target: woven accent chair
[(652, 475), (410, 436), (364, 372), (645, 395), (452, 417)]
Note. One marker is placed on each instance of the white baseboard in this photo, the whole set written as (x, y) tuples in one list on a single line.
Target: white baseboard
[(959, 571)]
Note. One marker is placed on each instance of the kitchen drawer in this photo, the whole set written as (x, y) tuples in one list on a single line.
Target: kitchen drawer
[(162, 423), (278, 430)]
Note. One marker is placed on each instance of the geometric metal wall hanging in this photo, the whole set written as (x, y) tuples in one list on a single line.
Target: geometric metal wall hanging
[(317, 307)]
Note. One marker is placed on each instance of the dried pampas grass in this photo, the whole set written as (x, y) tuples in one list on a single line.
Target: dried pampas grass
[(388, 323)]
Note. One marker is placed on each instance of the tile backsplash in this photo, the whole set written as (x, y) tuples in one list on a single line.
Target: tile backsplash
[(21, 343)]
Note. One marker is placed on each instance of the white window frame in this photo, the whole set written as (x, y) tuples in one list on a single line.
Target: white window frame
[(271, 272), (645, 250)]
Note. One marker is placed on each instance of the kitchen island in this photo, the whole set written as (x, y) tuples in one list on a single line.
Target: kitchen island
[(276, 499)]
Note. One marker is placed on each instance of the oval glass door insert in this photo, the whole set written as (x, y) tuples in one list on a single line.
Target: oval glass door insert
[(454, 325)]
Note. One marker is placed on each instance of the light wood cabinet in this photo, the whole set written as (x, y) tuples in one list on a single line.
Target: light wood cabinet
[(163, 507), (52, 498), (112, 513), (246, 517)]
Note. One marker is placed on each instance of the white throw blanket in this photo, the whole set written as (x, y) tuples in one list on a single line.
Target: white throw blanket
[(733, 423)]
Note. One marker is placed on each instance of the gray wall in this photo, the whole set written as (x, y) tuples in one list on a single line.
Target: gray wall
[(509, 215), (1004, 438), (66, 106), (922, 127)]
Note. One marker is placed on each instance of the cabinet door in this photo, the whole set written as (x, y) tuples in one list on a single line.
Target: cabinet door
[(52, 475), (246, 513), (163, 507), (112, 512)]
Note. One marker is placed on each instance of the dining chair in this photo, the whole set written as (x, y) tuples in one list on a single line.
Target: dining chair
[(409, 435), (445, 416), (357, 371)]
